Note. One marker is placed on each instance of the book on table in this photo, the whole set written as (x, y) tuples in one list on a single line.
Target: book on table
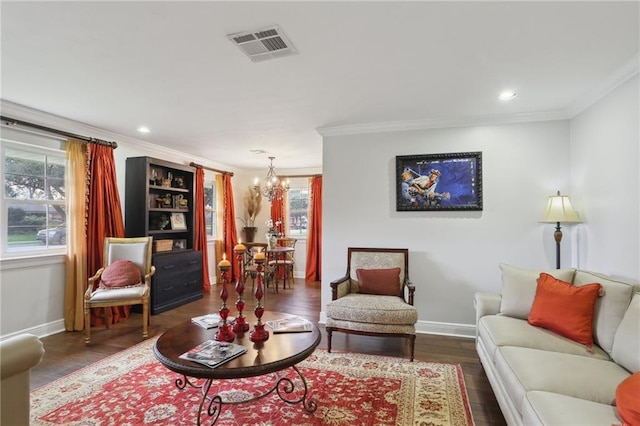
[(290, 325), (210, 320), (213, 353)]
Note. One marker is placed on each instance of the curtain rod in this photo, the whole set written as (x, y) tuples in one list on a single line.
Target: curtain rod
[(299, 176), (13, 122), (200, 166)]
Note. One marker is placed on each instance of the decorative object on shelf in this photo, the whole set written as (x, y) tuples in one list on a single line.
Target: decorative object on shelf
[(241, 324), (272, 187), (225, 333), (252, 205), (438, 182), (162, 245), (559, 209), (177, 221), (153, 180), (166, 182), (178, 182), (259, 334), (180, 244), (181, 201), (164, 201), (161, 222)]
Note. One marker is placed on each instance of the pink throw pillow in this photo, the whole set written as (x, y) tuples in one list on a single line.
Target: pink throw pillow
[(384, 282), (121, 273)]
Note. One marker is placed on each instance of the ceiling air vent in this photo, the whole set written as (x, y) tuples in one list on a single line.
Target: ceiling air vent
[(263, 44)]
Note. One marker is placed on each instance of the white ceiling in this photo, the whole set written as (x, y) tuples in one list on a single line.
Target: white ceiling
[(170, 66)]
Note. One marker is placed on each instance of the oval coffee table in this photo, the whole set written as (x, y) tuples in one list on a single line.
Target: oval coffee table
[(279, 352)]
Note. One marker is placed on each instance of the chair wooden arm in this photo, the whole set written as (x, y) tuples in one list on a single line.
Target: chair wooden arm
[(92, 280), (412, 289), (336, 284)]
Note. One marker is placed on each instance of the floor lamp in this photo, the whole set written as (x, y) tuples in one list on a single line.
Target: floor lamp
[(558, 210)]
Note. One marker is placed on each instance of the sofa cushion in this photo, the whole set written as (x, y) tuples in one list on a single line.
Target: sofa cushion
[(561, 307), (519, 288), (547, 408), (626, 346), (628, 399), (523, 370), (380, 281), (499, 330), (120, 273), (609, 309)]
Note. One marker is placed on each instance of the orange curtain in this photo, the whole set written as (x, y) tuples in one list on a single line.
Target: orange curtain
[(314, 238), (76, 260), (104, 218), (230, 233), (200, 238), (277, 214)]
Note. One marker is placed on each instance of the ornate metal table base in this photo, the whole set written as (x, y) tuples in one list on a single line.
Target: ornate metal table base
[(284, 387)]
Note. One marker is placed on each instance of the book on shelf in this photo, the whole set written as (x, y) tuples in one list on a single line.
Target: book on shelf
[(210, 320), (290, 325), (213, 353)]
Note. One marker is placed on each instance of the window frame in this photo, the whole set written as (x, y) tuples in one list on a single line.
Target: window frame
[(297, 184), (32, 146)]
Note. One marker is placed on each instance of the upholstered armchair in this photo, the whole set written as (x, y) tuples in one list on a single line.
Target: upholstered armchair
[(125, 279), (375, 297)]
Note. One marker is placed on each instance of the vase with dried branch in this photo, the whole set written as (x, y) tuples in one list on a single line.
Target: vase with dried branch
[(252, 205)]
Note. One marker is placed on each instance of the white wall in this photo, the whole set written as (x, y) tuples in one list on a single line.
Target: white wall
[(452, 254), (606, 182)]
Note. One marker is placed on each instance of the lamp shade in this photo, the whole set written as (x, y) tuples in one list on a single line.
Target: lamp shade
[(559, 209)]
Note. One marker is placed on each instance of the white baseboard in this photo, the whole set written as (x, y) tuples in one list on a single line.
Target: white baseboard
[(467, 331), (42, 330)]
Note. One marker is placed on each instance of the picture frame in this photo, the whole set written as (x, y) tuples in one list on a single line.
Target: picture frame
[(178, 221), (439, 182), (180, 244)]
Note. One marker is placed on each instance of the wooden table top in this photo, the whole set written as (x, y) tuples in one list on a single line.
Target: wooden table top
[(280, 351)]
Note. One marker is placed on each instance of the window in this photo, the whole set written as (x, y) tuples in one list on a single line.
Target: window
[(298, 210), (210, 208), (33, 198)]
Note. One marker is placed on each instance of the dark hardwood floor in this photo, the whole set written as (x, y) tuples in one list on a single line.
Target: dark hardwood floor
[(67, 352)]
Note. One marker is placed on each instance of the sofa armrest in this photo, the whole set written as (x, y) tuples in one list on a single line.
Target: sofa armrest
[(19, 354), (486, 304)]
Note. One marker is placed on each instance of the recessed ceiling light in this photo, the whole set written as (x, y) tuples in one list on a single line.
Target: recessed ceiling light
[(257, 151), (143, 129), (507, 95)]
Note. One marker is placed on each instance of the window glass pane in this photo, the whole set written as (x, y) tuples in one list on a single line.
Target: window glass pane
[(55, 178), (298, 211), (209, 197), (35, 226), (209, 218), (24, 175)]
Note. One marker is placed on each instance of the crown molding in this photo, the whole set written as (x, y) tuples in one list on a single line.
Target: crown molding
[(622, 74), (21, 112), (438, 123)]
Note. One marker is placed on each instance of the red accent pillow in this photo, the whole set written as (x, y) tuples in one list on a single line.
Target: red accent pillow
[(385, 282), (628, 400), (120, 273), (565, 309)]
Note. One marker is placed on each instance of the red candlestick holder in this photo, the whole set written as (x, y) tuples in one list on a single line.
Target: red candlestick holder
[(259, 334), (241, 324), (224, 334)]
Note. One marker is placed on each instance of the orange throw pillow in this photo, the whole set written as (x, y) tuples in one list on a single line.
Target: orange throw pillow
[(564, 308), (384, 282), (628, 400), (120, 273)]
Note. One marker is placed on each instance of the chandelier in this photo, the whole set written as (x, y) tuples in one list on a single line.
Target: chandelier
[(271, 187)]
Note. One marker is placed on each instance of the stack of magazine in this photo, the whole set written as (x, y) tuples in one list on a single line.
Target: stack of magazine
[(290, 325), (210, 320), (213, 353)]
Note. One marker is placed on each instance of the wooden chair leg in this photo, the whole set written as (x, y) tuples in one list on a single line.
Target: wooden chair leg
[(412, 345), (87, 324), (107, 316), (329, 335), (145, 319)]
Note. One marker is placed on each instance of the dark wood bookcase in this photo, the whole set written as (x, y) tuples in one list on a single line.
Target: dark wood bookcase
[(159, 202)]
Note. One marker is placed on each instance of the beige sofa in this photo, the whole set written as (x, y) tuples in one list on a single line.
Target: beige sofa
[(542, 378), (18, 355)]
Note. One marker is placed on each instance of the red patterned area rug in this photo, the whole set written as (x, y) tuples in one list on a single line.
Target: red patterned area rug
[(132, 388)]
